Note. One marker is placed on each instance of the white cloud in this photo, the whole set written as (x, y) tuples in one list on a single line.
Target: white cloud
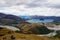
[(54, 1), (23, 10), (31, 7)]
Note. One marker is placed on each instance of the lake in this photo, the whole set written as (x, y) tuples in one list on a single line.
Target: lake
[(38, 20)]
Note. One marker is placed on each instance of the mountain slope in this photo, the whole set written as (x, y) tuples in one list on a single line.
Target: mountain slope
[(8, 19)]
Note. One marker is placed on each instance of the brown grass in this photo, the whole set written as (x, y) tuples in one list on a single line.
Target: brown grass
[(27, 37), (20, 36)]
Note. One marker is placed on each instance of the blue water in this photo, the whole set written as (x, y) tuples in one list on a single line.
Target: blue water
[(25, 17), (22, 16), (38, 20)]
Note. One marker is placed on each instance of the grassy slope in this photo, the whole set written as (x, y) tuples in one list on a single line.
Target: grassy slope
[(19, 36), (27, 37)]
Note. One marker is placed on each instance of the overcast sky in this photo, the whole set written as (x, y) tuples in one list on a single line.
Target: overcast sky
[(31, 7)]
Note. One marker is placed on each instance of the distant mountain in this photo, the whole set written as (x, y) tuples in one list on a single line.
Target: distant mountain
[(55, 18), (9, 19)]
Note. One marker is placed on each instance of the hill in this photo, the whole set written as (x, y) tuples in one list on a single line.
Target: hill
[(33, 28), (8, 19)]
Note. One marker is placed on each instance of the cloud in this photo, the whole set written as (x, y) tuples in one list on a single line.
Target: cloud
[(57, 6), (23, 10), (31, 7), (4, 3), (30, 3), (53, 4)]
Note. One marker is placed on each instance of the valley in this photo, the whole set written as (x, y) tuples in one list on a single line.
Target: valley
[(16, 28)]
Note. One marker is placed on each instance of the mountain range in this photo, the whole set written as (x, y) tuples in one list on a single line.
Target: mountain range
[(8, 19), (55, 18)]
